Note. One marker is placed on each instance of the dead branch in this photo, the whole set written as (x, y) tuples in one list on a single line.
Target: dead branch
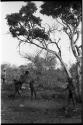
[(60, 22)]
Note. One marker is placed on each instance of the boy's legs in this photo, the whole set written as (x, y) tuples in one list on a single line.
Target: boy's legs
[(34, 93), (3, 80), (16, 89), (31, 93)]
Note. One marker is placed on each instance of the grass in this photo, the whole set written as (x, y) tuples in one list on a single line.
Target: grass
[(47, 108)]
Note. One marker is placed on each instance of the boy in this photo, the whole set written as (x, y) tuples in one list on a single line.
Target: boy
[(31, 84)]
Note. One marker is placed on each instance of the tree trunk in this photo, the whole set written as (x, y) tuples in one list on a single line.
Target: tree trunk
[(70, 82), (69, 76), (78, 80), (77, 54)]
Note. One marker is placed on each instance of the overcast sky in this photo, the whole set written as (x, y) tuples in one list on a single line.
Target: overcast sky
[(9, 45)]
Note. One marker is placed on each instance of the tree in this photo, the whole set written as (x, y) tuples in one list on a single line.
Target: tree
[(41, 64), (27, 28), (69, 15)]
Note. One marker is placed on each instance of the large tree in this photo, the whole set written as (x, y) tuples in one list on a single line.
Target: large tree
[(68, 13), (27, 28)]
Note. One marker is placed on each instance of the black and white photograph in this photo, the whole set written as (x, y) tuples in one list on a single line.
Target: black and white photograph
[(41, 61)]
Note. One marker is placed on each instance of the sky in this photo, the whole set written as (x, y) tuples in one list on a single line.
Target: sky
[(9, 45)]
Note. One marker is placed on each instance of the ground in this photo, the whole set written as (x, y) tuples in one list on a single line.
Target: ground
[(24, 110)]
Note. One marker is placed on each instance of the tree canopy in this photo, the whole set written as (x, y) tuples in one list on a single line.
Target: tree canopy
[(69, 11), (25, 24), (27, 27)]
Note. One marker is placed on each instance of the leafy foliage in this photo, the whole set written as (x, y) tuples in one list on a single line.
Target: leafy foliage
[(42, 64), (25, 23), (39, 33), (69, 11)]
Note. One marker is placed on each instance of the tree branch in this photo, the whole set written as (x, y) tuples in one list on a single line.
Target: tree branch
[(56, 43), (80, 46), (60, 22), (77, 48), (50, 51), (77, 32), (67, 25)]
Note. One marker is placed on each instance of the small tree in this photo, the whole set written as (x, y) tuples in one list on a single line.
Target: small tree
[(42, 63)]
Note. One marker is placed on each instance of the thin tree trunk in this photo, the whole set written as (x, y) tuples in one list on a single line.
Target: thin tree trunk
[(69, 76), (70, 82), (77, 55), (78, 82)]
